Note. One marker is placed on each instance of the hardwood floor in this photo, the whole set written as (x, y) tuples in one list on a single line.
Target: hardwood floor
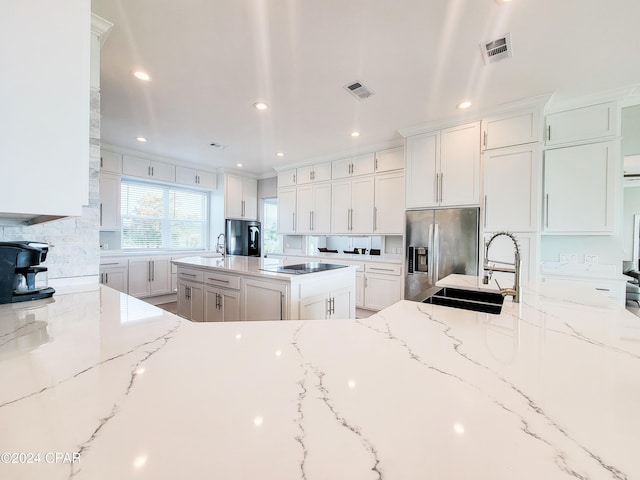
[(171, 307)]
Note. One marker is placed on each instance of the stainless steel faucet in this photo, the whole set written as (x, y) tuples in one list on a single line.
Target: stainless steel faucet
[(221, 247), (515, 292)]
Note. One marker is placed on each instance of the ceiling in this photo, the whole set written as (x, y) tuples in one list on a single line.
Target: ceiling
[(211, 60)]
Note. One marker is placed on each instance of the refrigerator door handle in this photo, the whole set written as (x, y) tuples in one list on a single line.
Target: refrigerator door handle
[(430, 252)]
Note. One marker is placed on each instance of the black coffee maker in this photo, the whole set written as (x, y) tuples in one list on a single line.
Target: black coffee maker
[(19, 265)]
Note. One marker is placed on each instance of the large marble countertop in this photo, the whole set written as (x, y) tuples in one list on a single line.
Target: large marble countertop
[(253, 266), (548, 389)]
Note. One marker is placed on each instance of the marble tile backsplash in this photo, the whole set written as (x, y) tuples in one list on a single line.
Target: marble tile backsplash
[(74, 241)]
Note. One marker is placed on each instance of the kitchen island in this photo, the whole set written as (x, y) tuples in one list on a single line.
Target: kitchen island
[(102, 386), (235, 288)]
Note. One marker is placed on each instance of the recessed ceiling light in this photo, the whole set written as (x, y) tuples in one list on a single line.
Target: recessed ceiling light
[(140, 75), (260, 106), (463, 105), (355, 134), (141, 139), (280, 154), (238, 165)]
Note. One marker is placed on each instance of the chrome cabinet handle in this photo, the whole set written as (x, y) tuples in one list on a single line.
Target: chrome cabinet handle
[(484, 139), (548, 132), (294, 221), (100, 213), (435, 187), (217, 280), (485, 211), (441, 183), (546, 215), (281, 306)]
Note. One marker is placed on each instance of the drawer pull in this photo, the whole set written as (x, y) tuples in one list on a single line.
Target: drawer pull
[(112, 263), (217, 280), (603, 289), (382, 269), (188, 274)]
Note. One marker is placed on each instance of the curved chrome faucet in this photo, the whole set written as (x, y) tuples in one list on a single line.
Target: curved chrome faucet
[(221, 247), (515, 292)]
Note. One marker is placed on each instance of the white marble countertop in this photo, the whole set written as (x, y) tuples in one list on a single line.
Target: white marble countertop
[(254, 266), (548, 389)]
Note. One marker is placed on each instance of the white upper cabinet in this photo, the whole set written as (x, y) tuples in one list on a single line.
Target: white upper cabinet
[(313, 209), (109, 201), (353, 166), (240, 197), (423, 154), (443, 168), (511, 188), (389, 204), (313, 173), (287, 210), (511, 129), (44, 98), (352, 206), (579, 189), (581, 124), (196, 178), (287, 178), (142, 167), (460, 165), (110, 162), (389, 160)]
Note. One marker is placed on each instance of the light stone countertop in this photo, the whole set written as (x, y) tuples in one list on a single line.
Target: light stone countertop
[(548, 389)]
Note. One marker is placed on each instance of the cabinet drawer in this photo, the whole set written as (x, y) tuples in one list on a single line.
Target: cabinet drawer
[(222, 280), (383, 268), (114, 262), (190, 274)]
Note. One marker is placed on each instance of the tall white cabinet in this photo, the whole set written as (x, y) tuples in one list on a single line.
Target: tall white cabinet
[(352, 205), (240, 197)]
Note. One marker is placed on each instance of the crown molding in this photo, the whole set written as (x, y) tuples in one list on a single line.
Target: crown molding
[(100, 27)]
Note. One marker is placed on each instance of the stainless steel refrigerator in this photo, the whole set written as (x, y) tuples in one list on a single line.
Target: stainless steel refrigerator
[(439, 242)]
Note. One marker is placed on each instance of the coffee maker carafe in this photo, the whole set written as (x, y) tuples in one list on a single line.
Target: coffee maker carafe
[(21, 277)]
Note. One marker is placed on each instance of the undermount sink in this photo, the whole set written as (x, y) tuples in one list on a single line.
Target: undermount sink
[(478, 301)]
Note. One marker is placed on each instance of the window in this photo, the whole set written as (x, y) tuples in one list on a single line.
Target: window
[(272, 242), (163, 216)]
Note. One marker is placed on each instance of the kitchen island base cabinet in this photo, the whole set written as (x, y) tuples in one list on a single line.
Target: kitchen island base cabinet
[(221, 305), (264, 300), (190, 301), (335, 304)]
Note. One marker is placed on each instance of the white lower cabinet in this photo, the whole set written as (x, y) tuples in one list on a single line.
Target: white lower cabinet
[(114, 274), (221, 304), (336, 304), (264, 300), (382, 286), (149, 276), (191, 300)]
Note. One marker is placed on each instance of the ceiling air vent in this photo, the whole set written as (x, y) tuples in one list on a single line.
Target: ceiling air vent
[(497, 49), (219, 146), (358, 90)]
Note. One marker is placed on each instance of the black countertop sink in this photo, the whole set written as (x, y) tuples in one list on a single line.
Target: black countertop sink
[(478, 301)]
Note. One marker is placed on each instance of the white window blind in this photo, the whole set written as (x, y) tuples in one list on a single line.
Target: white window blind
[(163, 216)]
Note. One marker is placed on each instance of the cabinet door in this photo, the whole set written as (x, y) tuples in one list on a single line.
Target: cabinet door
[(287, 178), (579, 187), (109, 202), (381, 290), (362, 204), (163, 172), (389, 204), (341, 206), (342, 304), (262, 300), (321, 216), (511, 129), (206, 179), (341, 168), (314, 308), (233, 196), (110, 162), (322, 172), (250, 198), (359, 289), (363, 164), (304, 175), (511, 188), (160, 283), (115, 278), (423, 152), (287, 210), (137, 167), (389, 160), (230, 305), (186, 176), (212, 305), (460, 165), (586, 123), (196, 300), (139, 277), (304, 209)]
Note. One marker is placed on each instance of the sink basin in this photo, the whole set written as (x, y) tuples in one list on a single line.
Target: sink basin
[(478, 301)]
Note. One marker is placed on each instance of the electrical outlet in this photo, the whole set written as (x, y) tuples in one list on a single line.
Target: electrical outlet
[(591, 259)]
